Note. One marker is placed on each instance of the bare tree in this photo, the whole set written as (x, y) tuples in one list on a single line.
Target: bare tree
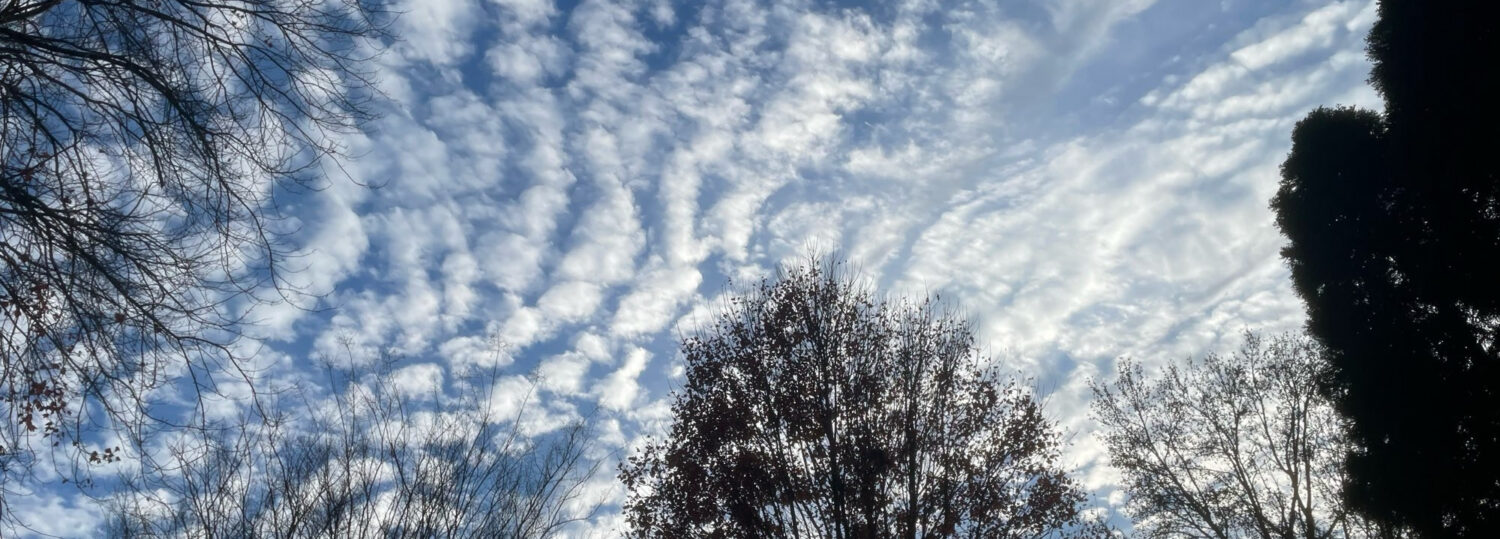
[(813, 409), (1229, 447), (142, 146), (375, 461)]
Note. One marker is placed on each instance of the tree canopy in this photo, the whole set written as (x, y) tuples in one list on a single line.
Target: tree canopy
[(813, 409), (1242, 445), (379, 457), (1394, 227), (143, 145)]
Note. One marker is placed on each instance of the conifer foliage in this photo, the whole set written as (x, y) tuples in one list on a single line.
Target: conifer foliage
[(1393, 219)]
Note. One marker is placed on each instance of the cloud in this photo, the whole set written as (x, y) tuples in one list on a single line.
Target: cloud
[(658, 294), (527, 12), (1318, 29), (49, 514), (515, 399), (564, 374), (436, 31), (563, 189), (528, 62), (619, 390), (483, 352), (576, 203), (571, 300), (419, 381)]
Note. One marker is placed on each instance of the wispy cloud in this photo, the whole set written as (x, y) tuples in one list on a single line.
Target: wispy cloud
[(558, 189)]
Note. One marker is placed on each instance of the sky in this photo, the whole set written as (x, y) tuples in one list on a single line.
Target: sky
[(1087, 179)]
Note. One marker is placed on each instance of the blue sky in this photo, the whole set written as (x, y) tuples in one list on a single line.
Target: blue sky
[(1087, 178)]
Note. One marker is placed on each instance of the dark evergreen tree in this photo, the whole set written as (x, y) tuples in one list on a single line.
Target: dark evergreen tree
[(1394, 222)]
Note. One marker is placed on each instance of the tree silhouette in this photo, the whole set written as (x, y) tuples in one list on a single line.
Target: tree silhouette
[(1394, 228), (813, 409), (1226, 447), (375, 460), (142, 147)]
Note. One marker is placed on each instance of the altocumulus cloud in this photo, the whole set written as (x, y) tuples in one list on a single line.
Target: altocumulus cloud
[(560, 188)]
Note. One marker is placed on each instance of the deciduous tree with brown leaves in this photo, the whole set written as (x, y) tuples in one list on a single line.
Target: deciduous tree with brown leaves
[(812, 408)]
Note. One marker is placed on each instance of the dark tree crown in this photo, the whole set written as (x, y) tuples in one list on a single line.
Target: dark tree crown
[(813, 409), (1394, 227)]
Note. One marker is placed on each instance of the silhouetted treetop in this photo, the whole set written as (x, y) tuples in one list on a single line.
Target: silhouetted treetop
[(1394, 228), (813, 409), (1230, 446)]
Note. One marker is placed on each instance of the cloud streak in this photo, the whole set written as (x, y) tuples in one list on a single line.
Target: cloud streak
[(559, 190)]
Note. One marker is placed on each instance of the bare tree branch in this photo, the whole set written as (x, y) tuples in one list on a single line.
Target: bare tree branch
[(1232, 447), (375, 461), (142, 146)]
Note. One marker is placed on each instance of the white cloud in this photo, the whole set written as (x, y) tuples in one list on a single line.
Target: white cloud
[(419, 381), (659, 293), (606, 238), (49, 514), (570, 300), (620, 389), (564, 373), (527, 12), (436, 31), (1317, 29), (524, 327), (511, 261), (477, 352), (528, 62), (557, 183), (515, 399), (592, 346)]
